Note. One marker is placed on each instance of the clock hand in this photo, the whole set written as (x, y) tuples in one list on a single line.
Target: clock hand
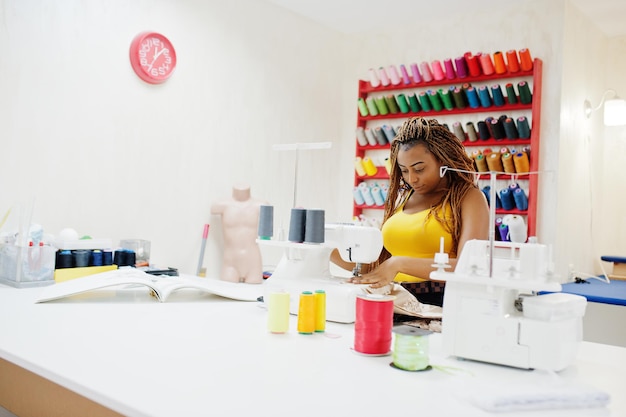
[(156, 55)]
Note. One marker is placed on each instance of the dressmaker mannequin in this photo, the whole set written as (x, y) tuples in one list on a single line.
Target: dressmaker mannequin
[(240, 219)]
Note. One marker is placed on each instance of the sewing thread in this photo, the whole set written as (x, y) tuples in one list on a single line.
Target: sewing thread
[(306, 313), (320, 311), (410, 348), (373, 323)]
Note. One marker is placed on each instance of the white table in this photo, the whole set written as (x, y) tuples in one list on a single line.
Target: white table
[(200, 355)]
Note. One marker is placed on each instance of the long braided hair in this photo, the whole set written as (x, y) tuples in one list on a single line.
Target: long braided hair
[(450, 152)]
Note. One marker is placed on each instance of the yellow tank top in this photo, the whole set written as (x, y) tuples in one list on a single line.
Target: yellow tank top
[(413, 235)]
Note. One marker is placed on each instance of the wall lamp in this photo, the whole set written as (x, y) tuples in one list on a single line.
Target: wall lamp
[(614, 109)]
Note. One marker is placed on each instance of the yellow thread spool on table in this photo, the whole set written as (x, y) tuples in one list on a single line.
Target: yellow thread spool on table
[(306, 313), (278, 312), (320, 311)]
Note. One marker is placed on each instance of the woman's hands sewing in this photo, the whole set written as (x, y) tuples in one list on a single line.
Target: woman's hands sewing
[(381, 276)]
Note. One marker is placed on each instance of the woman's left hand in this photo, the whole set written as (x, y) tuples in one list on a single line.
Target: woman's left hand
[(379, 277)]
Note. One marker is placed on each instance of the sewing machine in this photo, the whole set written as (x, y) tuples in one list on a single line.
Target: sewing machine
[(492, 313), (306, 267)]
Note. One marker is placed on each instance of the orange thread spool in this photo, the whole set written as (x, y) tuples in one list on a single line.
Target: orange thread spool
[(512, 62), (494, 162), (526, 62), (498, 62), (373, 324), (481, 163), (521, 162), (507, 163)]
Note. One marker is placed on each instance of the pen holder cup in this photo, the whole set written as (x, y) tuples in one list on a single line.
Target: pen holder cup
[(27, 266)]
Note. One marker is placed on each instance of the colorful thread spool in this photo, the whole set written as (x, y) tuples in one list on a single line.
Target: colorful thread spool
[(424, 101), (379, 134), (371, 139), (411, 349), (458, 131), (394, 77), (471, 132), (472, 97), (413, 103), (389, 132), (373, 77), (381, 105), (363, 111), (507, 163), (320, 311), (511, 97), (522, 164), (360, 136), (521, 199), (449, 66), (371, 106), (506, 197), (278, 312), (359, 167), (498, 62), (402, 103), (438, 73), (415, 73), (486, 64), (373, 323), (405, 74), (358, 196), (306, 313), (427, 75), (494, 162), (525, 96), (392, 104), (461, 67), (472, 64), (523, 127), (512, 62), (384, 78), (525, 60), (368, 165)]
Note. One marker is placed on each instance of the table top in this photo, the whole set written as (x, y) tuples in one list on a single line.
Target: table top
[(200, 354), (599, 291)]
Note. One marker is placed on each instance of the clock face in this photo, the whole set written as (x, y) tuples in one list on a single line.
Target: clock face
[(152, 56)]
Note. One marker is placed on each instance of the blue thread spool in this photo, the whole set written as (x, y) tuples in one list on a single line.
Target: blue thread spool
[(96, 258), (483, 95), (506, 196), (472, 97), (498, 97), (521, 200)]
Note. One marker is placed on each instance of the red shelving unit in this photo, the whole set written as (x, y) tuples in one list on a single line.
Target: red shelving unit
[(534, 108)]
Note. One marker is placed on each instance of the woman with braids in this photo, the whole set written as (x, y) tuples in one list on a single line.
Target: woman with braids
[(422, 207)]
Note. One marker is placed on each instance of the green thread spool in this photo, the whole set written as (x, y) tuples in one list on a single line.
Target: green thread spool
[(413, 103), (371, 106), (446, 99), (525, 96), (363, 108), (381, 104), (411, 348), (435, 100), (402, 103), (392, 105), (510, 94), (459, 98), (425, 101)]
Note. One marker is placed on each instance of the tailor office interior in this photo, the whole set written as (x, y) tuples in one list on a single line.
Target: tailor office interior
[(111, 156)]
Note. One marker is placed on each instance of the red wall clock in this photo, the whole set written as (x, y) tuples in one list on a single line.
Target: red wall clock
[(152, 57)]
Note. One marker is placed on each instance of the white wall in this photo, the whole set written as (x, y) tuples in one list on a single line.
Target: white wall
[(591, 220), (113, 157)]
